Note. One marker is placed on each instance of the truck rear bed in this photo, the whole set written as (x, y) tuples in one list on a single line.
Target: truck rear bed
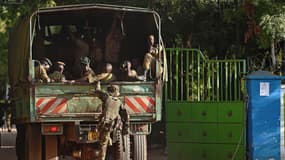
[(69, 102)]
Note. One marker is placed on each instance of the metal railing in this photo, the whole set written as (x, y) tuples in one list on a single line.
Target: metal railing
[(193, 77)]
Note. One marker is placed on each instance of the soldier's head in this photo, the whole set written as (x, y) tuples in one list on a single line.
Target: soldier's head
[(113, 90), (126, 65), (60, 66), (46, 63), (85, 63), (108, 67), (150, 39)]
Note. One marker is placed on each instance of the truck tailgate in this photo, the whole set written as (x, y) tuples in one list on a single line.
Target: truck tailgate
[(65, 100)]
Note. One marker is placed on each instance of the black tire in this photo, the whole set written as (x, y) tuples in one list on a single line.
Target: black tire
[(140, 147)]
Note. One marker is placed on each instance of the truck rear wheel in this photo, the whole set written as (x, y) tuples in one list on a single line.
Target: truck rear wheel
[(140, 147)]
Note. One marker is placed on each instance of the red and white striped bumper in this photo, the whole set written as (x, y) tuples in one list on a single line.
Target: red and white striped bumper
[(140, 104), (51, 105)]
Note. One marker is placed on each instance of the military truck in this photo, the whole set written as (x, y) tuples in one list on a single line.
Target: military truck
[(57, 120)]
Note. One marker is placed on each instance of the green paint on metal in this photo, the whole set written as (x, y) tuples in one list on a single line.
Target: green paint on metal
[(176, 74), (199, 74), (133, 89), (215, 130), (187, 77), (84, 105), (195, 78)]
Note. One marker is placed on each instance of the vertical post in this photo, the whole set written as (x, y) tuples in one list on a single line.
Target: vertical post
[(192, 78), (176, 74), (181, 73), (226, 81), (235, 80), (230, 80), (187, 76), (33, 142), (198, 72), (218, 81), (51, 152)]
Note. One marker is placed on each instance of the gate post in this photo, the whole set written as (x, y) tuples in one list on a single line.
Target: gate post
[(263, 115)]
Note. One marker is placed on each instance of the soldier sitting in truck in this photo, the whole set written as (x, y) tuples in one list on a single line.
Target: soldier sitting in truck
[(87, 74), (151, 55), (57, 75), (128, 73), (113, 114), (106, 74), (42, 69)]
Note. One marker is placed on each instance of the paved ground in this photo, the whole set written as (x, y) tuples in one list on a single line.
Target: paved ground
[(157, 152), (154, 154)]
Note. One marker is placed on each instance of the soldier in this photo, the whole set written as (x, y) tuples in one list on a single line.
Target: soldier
[(113, 112), (129, 74), (87, 74), (42, 69), (57, 75), (150, 56), (106, 75)]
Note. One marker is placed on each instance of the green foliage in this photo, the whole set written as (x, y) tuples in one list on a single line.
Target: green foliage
[(274, 26), (216, 27)]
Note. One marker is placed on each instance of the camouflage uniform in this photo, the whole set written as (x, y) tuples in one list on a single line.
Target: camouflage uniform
[(88, 75), (151, 55), (41, 74), (58, 77), (113, 110), (105, 77)]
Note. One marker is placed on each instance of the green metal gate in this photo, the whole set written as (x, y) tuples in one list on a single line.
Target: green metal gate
[(205, 114), (192, 77)]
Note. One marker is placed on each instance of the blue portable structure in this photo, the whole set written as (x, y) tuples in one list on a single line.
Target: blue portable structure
[(263, 116)]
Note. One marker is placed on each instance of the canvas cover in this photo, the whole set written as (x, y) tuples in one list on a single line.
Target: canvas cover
[(18, 53)]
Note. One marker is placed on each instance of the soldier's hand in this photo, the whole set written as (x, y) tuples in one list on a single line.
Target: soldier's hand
[(98, 85)]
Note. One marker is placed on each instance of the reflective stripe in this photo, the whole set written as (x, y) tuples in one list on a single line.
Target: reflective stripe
[(51, 105), (139, 104)]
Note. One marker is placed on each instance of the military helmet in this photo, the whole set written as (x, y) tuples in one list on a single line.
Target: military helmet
[(60, 63), (85, 60), (46, 61), (113, 90)]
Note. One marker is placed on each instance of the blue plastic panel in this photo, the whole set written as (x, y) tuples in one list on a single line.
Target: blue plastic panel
[(263, 117)]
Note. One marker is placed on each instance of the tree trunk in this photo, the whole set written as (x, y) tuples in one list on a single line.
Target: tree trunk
[(273, 57)]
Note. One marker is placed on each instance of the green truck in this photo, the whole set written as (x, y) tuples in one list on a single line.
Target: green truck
[(61, 119)]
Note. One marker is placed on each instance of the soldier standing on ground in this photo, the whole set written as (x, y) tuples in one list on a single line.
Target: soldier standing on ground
[(112, 112)]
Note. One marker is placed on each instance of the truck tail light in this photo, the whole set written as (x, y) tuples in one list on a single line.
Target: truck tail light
[(52, 129)]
